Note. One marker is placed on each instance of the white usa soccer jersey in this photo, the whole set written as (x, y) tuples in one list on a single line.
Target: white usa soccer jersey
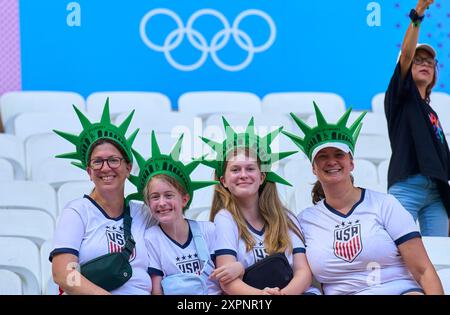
[(85, 230), (229, 243), (168, 257), (357, 253)]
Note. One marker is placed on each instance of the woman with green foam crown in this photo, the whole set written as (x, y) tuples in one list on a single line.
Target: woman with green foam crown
[(359, 241), (180, 250), (251, 223), (101, 223)]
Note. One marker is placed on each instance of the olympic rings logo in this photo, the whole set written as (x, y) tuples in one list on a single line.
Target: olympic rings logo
[(198, 41)]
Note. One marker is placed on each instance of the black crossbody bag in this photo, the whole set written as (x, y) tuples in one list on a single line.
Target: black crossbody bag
[(270, 272), (111, 271)]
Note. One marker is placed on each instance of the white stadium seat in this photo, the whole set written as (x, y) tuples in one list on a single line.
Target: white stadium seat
[(206, 103), (12, 150), (299, 173), (10, 283), (14, 103), (193, 212), (440, 101), (365, 173), (301, 103), (72, 190), (37, 226), (143, 144), (438, 249), (383, 173), (57, 172), (39, 148), (144, 103), (264, 123), (34, 123), (162, 122), (301, 198), (374, 148), (21, 256), (378, 104), (372, 123), (444, 275), (6, 170), (48, 286), (28, 195)]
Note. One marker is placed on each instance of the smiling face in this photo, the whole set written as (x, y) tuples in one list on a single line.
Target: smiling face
[(424, 73), (107, 179), (165, 201), (242, 175), (332, 166)]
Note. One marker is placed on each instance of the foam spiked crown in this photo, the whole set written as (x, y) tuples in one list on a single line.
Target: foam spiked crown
[(95, 131), (325, 132), (169, 165), (258, 145)]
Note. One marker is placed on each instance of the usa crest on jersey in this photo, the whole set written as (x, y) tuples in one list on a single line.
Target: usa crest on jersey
[(259, 252), (189, 263), (116, 240), (347, 241)]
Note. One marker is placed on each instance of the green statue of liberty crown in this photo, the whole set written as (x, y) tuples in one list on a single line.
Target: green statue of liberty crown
[(326, 133), (248, 139), (169, 165), (95, 131)]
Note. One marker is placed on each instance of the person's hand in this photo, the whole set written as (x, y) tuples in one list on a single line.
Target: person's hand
[(423, 5), (228, 272), (271, 291)]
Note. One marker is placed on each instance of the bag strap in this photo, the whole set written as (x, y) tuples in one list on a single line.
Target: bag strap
[(130, 243), (199, 241)]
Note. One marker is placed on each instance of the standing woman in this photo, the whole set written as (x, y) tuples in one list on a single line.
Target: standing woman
[(93, 226), (251, 222), (179, 249), (359, 241), (419, 169)]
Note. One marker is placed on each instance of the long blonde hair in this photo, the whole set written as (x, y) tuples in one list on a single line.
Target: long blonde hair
[(276, 219)]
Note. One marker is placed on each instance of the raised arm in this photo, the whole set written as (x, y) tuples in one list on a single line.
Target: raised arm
[(412, 37)]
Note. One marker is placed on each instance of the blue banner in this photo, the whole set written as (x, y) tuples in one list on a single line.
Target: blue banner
[(260, 46)]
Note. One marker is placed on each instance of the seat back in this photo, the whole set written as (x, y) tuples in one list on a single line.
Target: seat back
[(211, 102), (301, 103), (144, 103), (14, 103), (35, 123), (49, 287), (6, 170), (10, 283), (12, 150), (28, 195), (21, 256), (378, 104), (438, 250), (37, 226)]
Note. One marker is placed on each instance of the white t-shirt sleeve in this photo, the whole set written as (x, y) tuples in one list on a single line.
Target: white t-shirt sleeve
[(397, 221), (227, 238), (297, 243), (69, 233), (154, 267)]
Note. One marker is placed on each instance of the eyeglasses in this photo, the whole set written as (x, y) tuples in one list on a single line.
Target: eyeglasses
[(428, 61), (113, 162)]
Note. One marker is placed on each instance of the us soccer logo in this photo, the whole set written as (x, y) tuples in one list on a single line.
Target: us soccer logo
[(116, 240), (189, 263), (347, 241)]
